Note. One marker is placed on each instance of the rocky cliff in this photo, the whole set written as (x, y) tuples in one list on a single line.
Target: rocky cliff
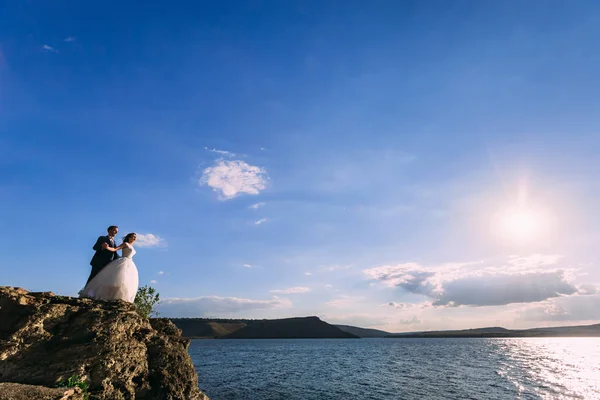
[(46, 339)]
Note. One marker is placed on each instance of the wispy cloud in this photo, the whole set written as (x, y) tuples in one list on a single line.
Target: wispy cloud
[(256, 206), (533, 261), (355, 319), (293, 290), (308, 273), (233, 178), (260, 221), (211, 305), (335, 267), (523, 280), (587, 289), (568, 308), (344, 301), (247, 266), (412, 321), (408, 306), (149, 240), (70, 39), (401, 306), (153, 281), (161, 272), (222, 152), (362, 168), (49, 49)]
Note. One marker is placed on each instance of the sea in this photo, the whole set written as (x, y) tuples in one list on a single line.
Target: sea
[(381, 369)]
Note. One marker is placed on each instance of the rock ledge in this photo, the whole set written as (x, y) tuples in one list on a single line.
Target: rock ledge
[(46, 338)]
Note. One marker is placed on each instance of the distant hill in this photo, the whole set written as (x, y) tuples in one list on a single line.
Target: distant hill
[(498, 332), (288, 328), (207, 328), (363, 332), (313, 327)]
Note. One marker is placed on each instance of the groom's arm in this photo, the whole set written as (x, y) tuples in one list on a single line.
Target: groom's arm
[(99, 242)]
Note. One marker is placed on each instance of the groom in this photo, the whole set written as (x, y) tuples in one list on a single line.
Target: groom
[(103, 256)]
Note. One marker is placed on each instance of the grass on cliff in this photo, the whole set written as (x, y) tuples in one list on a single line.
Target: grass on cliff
[(75, 381)]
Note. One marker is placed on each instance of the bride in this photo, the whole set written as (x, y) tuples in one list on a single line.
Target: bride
[(118, 280)]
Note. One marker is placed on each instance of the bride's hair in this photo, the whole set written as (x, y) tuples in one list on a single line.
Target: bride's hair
[(128, 237)]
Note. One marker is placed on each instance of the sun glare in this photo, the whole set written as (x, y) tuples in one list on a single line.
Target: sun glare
[(523, 222), (522, 225)]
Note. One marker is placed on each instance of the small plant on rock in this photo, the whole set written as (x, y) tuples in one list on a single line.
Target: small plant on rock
[(145, 300), (75, 381)]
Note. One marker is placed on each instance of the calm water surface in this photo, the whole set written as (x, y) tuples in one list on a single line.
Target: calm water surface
[(557, 368)]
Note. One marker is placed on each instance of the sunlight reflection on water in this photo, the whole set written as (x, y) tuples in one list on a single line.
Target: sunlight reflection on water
[(378, 369), (552, 367)]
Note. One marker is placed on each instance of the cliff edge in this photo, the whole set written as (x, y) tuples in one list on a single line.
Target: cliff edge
[(46, 339)]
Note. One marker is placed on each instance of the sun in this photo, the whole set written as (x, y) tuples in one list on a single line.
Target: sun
[(523, 221), (522, 225)]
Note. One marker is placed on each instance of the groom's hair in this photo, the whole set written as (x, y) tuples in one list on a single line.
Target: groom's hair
[(110, 228)]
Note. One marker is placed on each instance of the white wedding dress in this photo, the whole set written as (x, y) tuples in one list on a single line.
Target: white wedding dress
[(118, 280)]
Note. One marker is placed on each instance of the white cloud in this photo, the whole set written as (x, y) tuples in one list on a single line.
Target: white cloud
[(328, 286), (211, 305), (500, 289), (247, 265), (257, 205), (149, 240), (293, 290), (570, 308), (70, 39), (308, 273), (222, 152), (523, 280), (153, 281), (260, 221), (233, 178), (161, 272), (49, 49)]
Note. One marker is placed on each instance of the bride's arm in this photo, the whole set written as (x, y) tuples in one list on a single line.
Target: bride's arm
[(114, 248)]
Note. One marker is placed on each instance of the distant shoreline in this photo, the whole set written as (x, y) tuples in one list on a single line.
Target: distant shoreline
[(497, 332), (488, 336), (314, 328)]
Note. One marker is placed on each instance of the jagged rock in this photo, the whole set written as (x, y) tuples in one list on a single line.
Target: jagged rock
[(17, 391), (46, 338)]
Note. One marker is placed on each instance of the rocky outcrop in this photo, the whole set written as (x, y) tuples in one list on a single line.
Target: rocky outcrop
[(17, 391), (46, 339)]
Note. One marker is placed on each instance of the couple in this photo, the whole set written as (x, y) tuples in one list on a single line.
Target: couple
[(112, 277)]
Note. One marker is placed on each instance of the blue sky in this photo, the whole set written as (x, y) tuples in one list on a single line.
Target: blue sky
[(401, 165)]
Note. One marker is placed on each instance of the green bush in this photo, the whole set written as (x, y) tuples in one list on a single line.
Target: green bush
[(145, 300), (75, 381)]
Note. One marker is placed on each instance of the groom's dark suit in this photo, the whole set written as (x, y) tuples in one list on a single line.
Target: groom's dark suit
[(102, 256)]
